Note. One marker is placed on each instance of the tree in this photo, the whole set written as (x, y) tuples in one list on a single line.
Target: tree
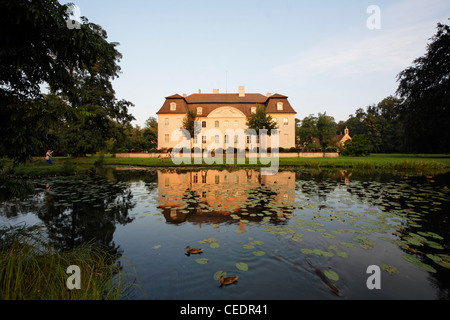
[(425, 88), (308, 129), (326, 129), (358, 146), (40, 50), (151, 132), (260, 120)]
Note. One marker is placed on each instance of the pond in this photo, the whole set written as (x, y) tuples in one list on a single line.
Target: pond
[(306, 234)]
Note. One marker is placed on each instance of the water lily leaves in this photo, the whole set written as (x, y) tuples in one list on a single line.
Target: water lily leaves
[(202, 260), (331, 275), (214, 245), (342, 254), (219, 274), (259, 253), (208, 240), (248, 246), (242, 266), (390, 269), (307, 251), (347, 244), (418, 263)]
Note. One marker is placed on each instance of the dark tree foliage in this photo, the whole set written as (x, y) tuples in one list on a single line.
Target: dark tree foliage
[(37, 49), (425, 86)]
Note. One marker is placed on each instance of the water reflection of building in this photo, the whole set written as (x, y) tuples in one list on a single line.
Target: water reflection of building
[(213, 196)]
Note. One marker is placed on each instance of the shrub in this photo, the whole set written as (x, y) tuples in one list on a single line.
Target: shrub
[(359, 146)]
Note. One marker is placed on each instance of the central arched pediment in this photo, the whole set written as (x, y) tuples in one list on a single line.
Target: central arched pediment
[(226, 112)]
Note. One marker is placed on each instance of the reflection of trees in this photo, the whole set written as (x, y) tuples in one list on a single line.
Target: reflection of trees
[(320, 183), (80, 210)]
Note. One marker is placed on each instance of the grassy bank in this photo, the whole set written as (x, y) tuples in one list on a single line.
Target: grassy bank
[(398, 162), (31, 269)]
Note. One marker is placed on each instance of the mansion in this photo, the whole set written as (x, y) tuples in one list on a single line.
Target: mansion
[(224, 111)]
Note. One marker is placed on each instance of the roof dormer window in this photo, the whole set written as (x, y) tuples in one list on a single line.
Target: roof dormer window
[(173, 106), (280, 106), (199, 110)]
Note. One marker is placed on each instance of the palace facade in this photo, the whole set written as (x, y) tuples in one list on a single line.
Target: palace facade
[(222, 111)]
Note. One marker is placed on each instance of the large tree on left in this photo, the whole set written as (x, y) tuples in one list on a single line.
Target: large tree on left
[(38, 50)]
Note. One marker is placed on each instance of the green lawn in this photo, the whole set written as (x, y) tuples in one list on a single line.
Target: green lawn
[(409, 162)]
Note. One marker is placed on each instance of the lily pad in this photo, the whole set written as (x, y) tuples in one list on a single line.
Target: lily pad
[(342, 254), (242, 266), (248, 246), (214, 245), (259, 253), (219, 274), (418, 263), (201, 260), (390, 269), (331, 275)]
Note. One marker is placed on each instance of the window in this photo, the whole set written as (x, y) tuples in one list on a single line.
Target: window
[(216, 139), (225, 123), (195, 178), (216, 178), (166, 121), (173, 106), (227, 138), (203, 179), (236, 139), (203, 124), (280, 106), (166, 138), (253, 110), (216, 124), (236, 123), (199, 110), (204, 139), (285, 121)]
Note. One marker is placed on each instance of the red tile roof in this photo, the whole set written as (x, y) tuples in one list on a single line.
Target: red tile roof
[(211, 101)]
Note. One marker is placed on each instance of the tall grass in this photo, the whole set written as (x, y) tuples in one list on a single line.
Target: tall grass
[(31, 269)]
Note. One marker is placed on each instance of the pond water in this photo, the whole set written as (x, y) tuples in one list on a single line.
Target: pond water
[(274, 232)]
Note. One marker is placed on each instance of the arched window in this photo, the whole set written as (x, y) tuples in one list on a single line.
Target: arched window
[(199, 110), (280, 106), (173, 106)]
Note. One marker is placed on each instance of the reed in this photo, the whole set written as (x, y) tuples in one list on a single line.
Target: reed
[(32, 269)]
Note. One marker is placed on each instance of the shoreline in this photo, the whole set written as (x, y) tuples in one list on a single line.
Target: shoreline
[(88, 165)]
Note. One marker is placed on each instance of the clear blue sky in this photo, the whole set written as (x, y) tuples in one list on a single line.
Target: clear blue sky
[(319, 53)]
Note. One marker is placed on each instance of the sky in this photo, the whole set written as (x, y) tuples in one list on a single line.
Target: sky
[(332, 56)]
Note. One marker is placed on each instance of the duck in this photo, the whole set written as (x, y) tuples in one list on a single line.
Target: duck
[(193, 250), (228, 280)]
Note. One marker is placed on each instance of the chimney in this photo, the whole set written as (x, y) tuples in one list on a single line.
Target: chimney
[(199, 91), (269, 94), (241, 91), (215, 91), (184, 95)]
